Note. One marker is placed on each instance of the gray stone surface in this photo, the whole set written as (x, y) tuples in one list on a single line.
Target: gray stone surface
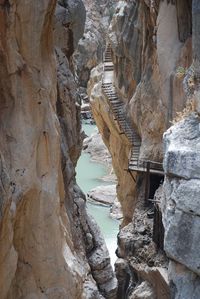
[(95, 146), (181, 206), (103, 194), (182, 149), (184, 283), (99, 262), (143, 291)]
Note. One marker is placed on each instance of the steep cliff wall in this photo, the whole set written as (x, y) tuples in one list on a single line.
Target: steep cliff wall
[(181, 206), (155, 78), (90, 49), (146, 51), (116, 142), (48, 244), (180, 202)]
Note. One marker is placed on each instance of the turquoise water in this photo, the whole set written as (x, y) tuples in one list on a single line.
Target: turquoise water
[(89, 173), (88, 128), (109, 227), (89, 176)]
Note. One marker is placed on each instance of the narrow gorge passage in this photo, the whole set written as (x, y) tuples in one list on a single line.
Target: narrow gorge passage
[(89, 175), (130, 69)]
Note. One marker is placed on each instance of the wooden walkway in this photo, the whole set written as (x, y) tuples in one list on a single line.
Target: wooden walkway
[(120, 115)]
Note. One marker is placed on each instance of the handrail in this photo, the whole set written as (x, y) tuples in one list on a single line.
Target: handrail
[(124, 124)]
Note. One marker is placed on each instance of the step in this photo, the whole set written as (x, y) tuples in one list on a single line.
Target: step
[(118, 108), (135, 152), (116, 101), (116, 105), (134, 159), (108, 89), (109, 92), (112, 100), (108, 85), (135, 163), (111, 95)]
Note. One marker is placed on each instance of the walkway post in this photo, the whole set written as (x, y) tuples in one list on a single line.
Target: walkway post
[(147, 184)]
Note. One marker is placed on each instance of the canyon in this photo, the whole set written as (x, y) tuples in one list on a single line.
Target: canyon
[(138, 64)]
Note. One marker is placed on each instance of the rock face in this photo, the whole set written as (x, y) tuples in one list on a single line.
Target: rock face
[(95, 146), (151, 49), (103, 194), (116, 143), (91, 47), (181, 206), (48, 244), (142, 34)]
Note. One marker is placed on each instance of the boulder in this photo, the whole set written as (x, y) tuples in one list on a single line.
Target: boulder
[(103, 194)]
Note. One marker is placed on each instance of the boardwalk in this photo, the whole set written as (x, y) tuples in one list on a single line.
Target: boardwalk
[(120, 115)]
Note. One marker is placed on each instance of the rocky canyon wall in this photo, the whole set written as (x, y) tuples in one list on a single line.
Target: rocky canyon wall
[(181, 207), (48, 243), (180, 203), (148, 45), (155, 53), (91, 46)]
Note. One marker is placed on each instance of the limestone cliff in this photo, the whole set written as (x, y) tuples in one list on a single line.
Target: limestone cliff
[(180, 202), (153, 45), (48, 244), (147, 49), (90, 49), (181, 207)]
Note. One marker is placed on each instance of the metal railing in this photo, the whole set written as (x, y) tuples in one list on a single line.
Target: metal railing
[(125, 125)]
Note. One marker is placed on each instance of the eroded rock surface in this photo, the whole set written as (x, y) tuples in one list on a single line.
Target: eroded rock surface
[(151, 49), (48, 244), (181, 206), (91, 47), (141, 37)]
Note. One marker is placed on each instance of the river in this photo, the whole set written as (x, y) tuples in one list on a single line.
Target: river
[(89, 175)]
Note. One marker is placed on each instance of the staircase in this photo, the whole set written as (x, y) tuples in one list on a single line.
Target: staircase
[(119, 112)]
